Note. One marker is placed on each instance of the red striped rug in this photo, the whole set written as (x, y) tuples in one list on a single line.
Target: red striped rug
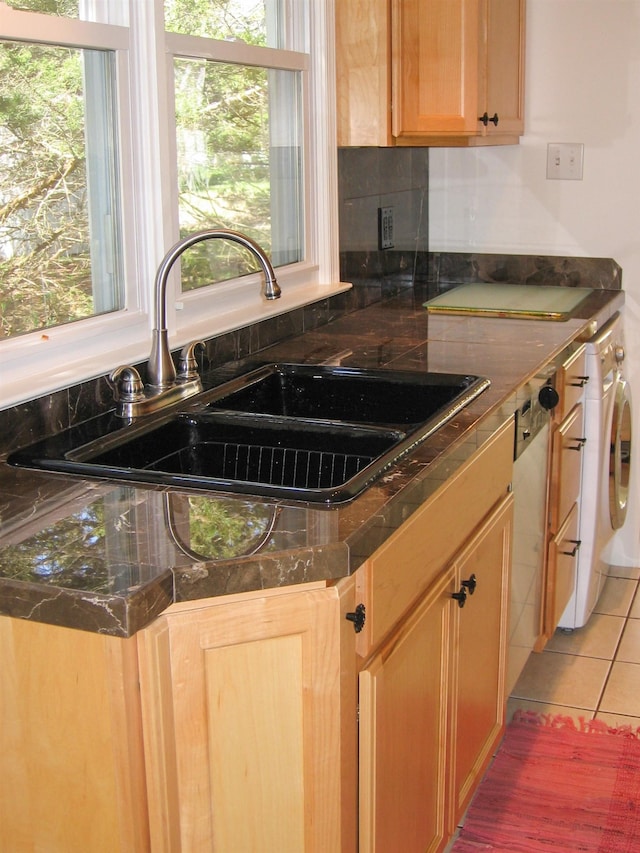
[(558, 787)]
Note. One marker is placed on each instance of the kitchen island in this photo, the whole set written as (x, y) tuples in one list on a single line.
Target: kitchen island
[(124, 565)]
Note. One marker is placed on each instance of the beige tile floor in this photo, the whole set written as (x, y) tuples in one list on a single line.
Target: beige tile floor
[(592, 672)]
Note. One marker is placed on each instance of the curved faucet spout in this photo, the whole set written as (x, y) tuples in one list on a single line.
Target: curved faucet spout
[(161, 370)]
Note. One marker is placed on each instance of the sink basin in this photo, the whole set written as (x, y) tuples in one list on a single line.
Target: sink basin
[(347, 394), (217, 452), (316, 434)]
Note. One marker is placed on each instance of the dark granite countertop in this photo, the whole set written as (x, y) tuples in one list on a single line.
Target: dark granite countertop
[(109, 559)]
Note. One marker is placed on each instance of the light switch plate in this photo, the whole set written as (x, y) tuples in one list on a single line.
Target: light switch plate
[(565, 161)]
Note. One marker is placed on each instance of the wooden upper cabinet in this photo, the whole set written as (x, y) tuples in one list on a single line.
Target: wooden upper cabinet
[(426, 72), (363, 70), (502, 68), (435, 50)]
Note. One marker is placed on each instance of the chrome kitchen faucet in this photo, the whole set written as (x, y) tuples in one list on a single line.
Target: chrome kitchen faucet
[(164, 385)]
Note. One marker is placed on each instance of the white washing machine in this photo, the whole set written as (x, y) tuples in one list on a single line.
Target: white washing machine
[(605, 467)]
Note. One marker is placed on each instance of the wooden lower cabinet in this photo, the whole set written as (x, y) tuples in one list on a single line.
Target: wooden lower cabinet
[(432, 700), (562, 568), (481, 631), (72, 777), (231, 724), (565, 486), (242, 719), (403, 731)]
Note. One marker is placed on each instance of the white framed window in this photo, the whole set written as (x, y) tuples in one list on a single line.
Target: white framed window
[(189, 121)]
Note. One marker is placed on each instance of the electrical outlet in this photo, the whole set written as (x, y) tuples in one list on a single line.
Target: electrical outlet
[(385, 227), (565, 161)]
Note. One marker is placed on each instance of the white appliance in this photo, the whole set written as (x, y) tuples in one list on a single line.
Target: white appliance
[(606, 467), (530, 492)]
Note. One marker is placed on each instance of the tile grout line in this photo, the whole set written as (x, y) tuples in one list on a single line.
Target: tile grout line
[(609, 659), (615, 652)]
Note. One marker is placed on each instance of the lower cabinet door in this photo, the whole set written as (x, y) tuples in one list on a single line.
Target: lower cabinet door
[(403, 731), (241, 714), (562, 569), (480, 654)]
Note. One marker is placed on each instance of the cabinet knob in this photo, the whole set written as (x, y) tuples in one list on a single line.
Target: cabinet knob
[(579, 444), (470, 584), (358, 617), (460, 597), (484, 118), (548, 397)]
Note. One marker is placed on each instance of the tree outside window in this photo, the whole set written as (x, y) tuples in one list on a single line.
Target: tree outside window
[(60, 223)]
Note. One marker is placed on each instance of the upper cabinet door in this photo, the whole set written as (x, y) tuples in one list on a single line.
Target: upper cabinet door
[(502, 72), (430, 72), (435, 67)]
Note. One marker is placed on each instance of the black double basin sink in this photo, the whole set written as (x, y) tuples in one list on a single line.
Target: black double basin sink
[(310, 433)]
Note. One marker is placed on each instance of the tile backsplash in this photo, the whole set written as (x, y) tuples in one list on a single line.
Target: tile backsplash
[(370, 178), (446, 269)]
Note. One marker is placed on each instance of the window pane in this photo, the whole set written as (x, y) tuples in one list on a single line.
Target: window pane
[(252, 21), (59, 247), (239, 164)]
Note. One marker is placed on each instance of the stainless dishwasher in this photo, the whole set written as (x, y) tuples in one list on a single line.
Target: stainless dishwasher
[(530, 469)]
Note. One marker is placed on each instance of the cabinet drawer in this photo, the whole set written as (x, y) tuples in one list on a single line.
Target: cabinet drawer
[(392, 579), (569, 447), (572, 380), (563, 557)]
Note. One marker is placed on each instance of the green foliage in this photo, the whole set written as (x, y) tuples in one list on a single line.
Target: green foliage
[(66, 554), (222, 529), (223, 141), (219, 19), (45, 274), (74, 553), (223, 133), (63, 8)]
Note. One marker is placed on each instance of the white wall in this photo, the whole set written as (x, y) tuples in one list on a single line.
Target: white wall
[(582, 85)]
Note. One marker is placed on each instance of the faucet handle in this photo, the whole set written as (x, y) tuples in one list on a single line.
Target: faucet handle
[(127, 384), (187, 364)]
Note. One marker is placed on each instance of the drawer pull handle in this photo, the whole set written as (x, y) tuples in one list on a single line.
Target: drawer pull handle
[(358, 617), (576, 544), (470, 584), (460, 597), (578, 446), (484, 118), (580, 382)]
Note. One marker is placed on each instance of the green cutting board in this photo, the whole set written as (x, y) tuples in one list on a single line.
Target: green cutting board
[(536, 302)]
